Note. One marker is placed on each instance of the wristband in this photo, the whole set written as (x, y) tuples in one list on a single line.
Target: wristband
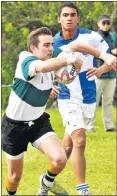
[(104, 56), (71, 59)]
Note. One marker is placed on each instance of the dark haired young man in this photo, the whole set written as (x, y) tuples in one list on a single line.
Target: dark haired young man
[(73, 114)]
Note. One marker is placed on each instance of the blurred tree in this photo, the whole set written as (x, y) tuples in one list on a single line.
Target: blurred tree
[(21, 17)]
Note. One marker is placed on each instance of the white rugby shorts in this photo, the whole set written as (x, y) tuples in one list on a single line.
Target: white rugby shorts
[(89, 112), (72, 115), (75, 115)]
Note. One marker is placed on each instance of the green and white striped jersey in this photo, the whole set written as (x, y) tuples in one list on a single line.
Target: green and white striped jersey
[(30, 90)]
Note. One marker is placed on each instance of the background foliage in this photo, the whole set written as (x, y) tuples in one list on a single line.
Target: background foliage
[(19, 18)]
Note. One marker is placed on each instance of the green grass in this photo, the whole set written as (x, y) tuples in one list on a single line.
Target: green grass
[(100, 156)]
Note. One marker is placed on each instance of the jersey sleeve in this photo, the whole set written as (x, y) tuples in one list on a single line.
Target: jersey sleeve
[(101, 45), (99, 42), (28, 62)]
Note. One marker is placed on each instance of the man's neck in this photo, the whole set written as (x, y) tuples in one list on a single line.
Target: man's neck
[(105, 33), (68, 34)]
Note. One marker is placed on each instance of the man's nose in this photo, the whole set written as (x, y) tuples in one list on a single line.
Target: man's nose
[(69, 17), (51, 47)]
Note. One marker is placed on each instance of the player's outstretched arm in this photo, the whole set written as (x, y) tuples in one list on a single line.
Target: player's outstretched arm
[(109, 59), (54, 63)]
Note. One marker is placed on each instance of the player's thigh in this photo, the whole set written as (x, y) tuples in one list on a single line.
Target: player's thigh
[(14, 138), (72, 115), (89, 110), (15, 167), (68, 109), (52, 148)]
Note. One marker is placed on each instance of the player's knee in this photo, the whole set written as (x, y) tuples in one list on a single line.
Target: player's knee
[(80, 142), (15, 178), (79, 139), (60, 160), (68, 150)]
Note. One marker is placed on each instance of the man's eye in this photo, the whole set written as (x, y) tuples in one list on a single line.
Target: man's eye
[(46, 45), (74, 14), (65, 15)]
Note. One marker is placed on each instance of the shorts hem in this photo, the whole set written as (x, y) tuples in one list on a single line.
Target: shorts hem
[(14, 157), (37, 142)]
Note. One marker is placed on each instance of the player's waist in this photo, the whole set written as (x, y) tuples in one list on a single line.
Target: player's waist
[(19, 122)]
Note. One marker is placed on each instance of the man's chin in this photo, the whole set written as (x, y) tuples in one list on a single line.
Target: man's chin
[(70, 28), (50, 56)]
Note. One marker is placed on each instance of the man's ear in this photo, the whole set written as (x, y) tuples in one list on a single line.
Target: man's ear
[(58, 19), (78, 19), (32, 48), (98, 23)]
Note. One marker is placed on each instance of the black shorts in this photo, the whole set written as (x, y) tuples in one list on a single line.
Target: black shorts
[(17, 134)]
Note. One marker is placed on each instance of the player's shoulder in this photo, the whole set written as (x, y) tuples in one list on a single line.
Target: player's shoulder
[(113, 35), (26, 56), (84, 31), (87, 31), (57, 36), (59, 40)]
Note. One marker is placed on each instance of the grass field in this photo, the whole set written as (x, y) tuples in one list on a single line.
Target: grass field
[(100, 156)]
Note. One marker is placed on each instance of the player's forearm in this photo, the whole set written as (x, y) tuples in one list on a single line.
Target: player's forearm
[(85, 48), (104, 68), (55, 63), (109, 59), (50, 65)]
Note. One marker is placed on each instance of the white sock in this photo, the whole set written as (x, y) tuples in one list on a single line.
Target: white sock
[(47, 183), (83, 188)]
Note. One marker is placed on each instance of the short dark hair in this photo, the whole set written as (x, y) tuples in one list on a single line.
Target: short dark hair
[(68, 4), (33, 36), (104, 17)]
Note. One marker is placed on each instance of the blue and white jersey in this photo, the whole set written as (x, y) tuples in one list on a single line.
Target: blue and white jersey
[(89, 61), (30, 90)]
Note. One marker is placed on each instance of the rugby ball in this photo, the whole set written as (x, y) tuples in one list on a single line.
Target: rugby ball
[(66, 74)]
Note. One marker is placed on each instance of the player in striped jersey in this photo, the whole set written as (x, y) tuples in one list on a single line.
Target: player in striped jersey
[(25, 120), (73, 114)]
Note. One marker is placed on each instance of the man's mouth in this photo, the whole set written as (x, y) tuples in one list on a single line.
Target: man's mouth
[(50, 55)]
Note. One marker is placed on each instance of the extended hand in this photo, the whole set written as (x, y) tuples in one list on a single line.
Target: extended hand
[(54, 92), (93, 72)]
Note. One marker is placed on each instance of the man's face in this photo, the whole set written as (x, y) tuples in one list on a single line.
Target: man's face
[(68, 18), (104, 25), (44, 50)]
